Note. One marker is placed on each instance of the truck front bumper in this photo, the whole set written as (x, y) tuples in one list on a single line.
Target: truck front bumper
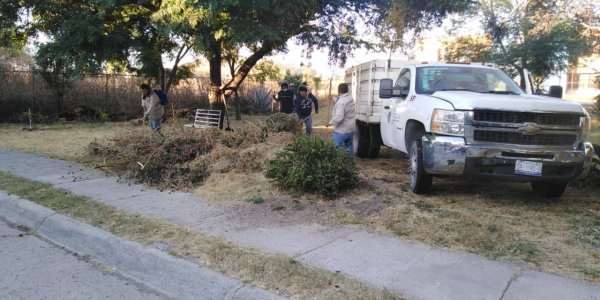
[(447, 155)]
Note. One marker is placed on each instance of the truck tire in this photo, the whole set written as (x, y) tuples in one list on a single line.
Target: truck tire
[(548, 189), (420, 181), (361, 139), (374, 142)]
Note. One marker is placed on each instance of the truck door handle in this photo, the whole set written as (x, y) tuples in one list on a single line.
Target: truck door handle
[(386, 107)]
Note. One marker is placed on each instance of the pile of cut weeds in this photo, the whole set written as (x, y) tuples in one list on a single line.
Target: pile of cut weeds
[(185, 159)]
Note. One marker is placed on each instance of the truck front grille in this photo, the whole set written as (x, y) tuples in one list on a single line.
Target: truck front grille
[(522, 139), (526, 117)]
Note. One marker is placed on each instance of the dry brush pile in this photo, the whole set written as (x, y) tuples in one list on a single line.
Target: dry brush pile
[(184, 159)]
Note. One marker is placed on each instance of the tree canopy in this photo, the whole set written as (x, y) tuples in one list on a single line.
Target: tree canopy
[(538, 35), (141, 34), (468, 48)]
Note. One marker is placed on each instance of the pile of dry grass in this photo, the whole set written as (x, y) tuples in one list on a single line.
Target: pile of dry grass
[(283, 122), (185, 159)]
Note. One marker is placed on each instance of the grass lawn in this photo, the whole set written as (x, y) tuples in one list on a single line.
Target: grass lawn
[(498, 220), (595, 135)]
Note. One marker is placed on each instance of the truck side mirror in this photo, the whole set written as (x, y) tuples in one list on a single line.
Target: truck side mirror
[(555, 91), (387, 89)]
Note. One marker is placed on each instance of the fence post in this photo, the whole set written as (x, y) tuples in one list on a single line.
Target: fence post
[(106, 93), (32, 88)]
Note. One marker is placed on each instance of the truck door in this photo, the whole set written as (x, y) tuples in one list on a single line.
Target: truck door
[(392, 126)]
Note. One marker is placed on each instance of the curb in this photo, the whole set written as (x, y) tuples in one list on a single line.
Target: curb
[(173, 277)]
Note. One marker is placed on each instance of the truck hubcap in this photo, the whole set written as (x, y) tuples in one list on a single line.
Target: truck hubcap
[(413, 166)]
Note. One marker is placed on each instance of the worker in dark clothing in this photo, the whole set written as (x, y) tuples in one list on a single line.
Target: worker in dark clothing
[(303, 105), (285, 98)]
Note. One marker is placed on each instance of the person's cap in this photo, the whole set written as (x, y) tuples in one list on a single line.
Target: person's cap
[(302, 88), (284, 84)]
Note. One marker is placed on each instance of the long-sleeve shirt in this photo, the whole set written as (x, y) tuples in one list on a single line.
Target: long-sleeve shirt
[(303, 106), (152, 107), (343, 117)]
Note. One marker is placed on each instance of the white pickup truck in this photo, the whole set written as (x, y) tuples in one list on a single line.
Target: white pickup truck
[(468, 120)]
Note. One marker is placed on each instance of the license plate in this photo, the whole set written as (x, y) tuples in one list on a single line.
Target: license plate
[(530, 168)]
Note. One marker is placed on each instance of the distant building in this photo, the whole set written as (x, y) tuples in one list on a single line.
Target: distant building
[(580, 79)]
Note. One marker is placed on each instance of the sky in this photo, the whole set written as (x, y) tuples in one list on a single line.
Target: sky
[(319, 61)]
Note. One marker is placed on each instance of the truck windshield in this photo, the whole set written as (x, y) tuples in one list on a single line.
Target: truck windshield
[(457, 78)]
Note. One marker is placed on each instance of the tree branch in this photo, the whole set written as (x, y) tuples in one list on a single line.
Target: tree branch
[(185, 48), (244, 69)]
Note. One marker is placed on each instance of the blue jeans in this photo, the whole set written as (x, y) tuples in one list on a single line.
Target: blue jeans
[(155, 125), (308, 124), (344, 140)]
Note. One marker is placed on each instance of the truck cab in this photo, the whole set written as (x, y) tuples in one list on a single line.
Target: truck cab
[(468, 120)]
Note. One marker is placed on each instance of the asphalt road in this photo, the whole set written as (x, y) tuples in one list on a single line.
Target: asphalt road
[(32, 268)]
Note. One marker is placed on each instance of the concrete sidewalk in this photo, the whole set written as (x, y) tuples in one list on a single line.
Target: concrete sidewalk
[(410, 269), (170, 277)]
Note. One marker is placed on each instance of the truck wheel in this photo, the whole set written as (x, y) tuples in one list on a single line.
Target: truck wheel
[(420, 181), (548, 189), (361, 141), (374, 145)]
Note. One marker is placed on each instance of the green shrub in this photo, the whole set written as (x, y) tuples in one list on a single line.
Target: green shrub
[(260, 101), (256, 199), (310, 164), (104, 116)]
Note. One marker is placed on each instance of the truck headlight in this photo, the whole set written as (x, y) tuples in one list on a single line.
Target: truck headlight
[(448, 122), (586, 127)]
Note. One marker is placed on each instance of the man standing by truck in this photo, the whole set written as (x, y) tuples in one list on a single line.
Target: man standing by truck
[(303, 105), (343, 119)]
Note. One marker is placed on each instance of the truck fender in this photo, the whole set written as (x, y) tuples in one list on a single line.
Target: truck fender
[(413, 130)]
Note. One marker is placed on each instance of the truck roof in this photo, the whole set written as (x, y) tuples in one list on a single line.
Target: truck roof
[(472, 64), (396, 64)]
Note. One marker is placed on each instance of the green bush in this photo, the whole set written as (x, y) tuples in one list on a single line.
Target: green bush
[(310, 164), (256, 199), (104, 116)]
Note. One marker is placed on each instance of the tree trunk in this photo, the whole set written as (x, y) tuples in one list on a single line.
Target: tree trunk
[(236, 100), (522, 81), (173, 74), (238, 106), (214, 95)]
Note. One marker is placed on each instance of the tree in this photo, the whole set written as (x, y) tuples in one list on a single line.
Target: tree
[(468, 48), (266, 69), (101, 31), (535, 35), (293, 79), (12, 37), (398, 17), (12, 29), (96, 34), (317, 84), (586, 14), (263, 27), (57, 70)]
